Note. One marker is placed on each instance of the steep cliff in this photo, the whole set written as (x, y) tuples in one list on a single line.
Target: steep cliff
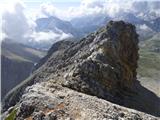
[(17, 62), (103, 64), (13, 72)]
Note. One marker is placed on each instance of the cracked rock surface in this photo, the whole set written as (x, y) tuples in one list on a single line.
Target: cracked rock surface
[(44, 101)]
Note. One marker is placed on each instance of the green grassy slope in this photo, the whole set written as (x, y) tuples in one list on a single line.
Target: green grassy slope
[(149, 63), (21, 52)]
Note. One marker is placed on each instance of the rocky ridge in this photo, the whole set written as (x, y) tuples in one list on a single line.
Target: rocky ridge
[(102, 64), (46, 101)]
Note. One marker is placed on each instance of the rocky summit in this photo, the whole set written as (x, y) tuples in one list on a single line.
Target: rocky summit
[(85, 80)]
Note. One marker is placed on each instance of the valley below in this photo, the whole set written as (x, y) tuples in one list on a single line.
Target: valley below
[(17, 63), (149, 63)]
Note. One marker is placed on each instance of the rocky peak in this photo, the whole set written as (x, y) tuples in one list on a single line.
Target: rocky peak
[(108, 63), (102, 64), (120, 43)]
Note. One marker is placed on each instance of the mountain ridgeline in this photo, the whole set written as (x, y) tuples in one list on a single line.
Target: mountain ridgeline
[(77, 80), (147, 24)]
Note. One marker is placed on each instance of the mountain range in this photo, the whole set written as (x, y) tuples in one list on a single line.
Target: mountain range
[(81, 26)]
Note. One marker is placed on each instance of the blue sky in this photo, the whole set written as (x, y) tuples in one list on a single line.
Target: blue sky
[(36, 3), (63, 4)]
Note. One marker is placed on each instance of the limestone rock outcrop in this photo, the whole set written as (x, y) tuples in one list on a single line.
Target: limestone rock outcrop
[(102, 64), (107, 63)]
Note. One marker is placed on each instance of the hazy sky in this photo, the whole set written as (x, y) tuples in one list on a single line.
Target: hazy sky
[(18, 21), (32, 6)]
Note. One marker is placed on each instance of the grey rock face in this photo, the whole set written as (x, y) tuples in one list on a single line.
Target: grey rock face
[(74, 106), (25, 109), (110, 62), (102, 64), (39, 116), (57, 47)]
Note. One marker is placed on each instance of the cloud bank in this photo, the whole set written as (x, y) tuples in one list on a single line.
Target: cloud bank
[(14, 23), (46, 10), (17, 27), (49, 36), (113, 7)]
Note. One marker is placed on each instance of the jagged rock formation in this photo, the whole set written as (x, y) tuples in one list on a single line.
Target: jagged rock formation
[(102, 64)]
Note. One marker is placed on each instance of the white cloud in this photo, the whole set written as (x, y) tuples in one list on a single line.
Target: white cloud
[(65, 35), (92, 3), (19, 28), (145, 27), (47, 9), (3, 35), (113, 7), (49, 36), (14, 23), (94, 7), (87, 7), (44, 36)]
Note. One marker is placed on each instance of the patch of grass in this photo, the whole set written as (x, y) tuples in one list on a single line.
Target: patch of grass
[(149, 60), (149, 64), (12, 115)]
